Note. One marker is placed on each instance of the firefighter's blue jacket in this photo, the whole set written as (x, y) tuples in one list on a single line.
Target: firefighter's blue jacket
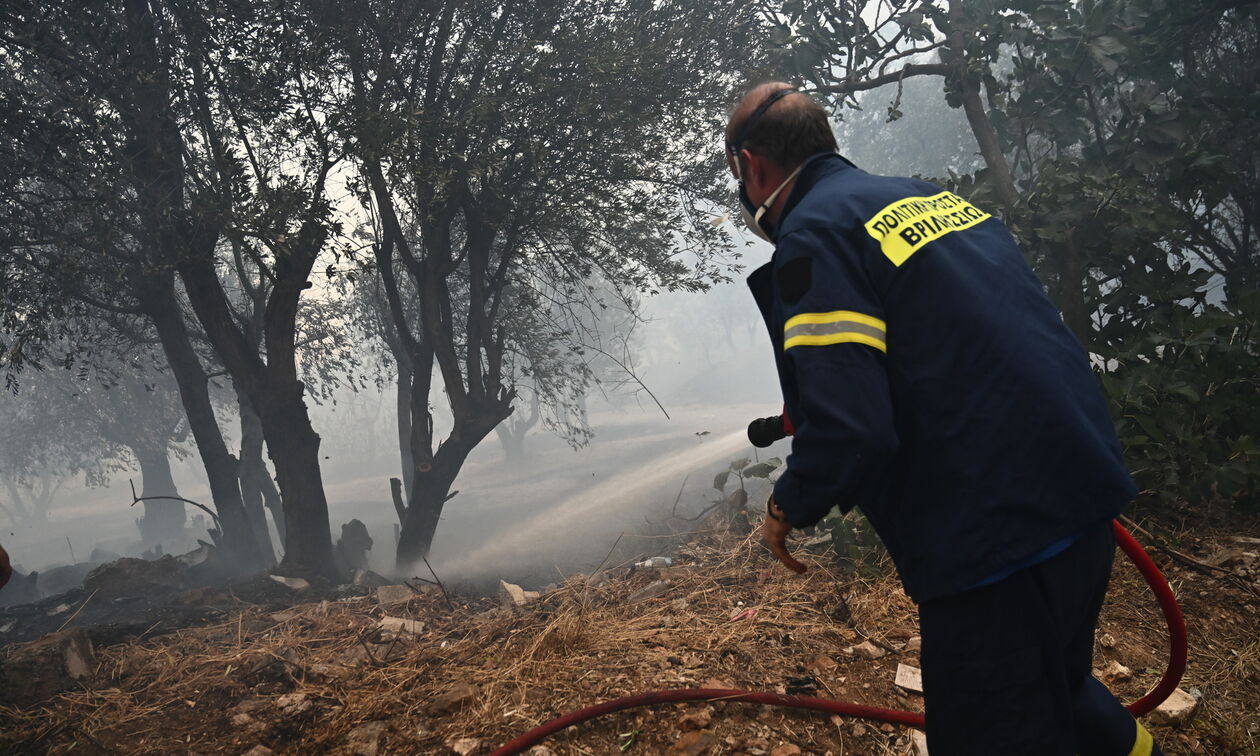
[(930, 380)]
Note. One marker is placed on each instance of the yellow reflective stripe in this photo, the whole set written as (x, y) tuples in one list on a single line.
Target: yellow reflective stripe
[(833, 317), (1143, 744), (911, 222), (836, 338)]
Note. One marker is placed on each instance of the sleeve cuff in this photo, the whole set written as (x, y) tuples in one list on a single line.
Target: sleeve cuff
[(798, 509)]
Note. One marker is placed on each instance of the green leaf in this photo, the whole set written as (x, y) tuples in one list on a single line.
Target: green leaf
[(760, 470), (719, 481)]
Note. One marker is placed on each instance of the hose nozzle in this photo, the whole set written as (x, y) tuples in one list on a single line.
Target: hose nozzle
[(766, 430)]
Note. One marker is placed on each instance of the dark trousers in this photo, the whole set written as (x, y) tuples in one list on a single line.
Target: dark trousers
[(1007, 666)]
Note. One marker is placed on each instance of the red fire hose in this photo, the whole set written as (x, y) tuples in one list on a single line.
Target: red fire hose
[(1172, 675)]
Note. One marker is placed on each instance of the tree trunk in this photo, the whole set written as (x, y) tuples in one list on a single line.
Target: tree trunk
[(163, 520), (253, 476), (194, 393), (981, 127), (403, 403), (1071, 288), (293, 446), (428, 496)]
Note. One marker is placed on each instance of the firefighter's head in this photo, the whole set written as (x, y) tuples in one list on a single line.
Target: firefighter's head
[(771, 132)]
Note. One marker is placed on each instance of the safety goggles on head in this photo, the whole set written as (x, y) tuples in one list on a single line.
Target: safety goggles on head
[(752, 215), (736, 145)]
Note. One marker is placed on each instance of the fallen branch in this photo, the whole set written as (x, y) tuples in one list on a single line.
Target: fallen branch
[(137, 499)]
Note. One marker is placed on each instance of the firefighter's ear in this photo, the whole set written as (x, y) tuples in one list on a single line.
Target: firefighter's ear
[(794, 278)]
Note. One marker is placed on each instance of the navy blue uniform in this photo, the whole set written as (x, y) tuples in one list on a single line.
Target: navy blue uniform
[(932, 382)]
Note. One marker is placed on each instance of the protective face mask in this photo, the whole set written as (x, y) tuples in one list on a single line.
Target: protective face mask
[(752, 216)]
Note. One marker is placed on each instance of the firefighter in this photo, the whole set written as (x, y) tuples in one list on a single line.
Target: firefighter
[(932, 383)]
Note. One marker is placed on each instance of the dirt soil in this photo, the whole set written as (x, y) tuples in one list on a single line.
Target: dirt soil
[(323, 677)]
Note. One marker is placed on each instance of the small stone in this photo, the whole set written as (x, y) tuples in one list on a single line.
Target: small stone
[(464, 746), (511, 595), (1107, 641), (858, 730), (651, 591), (260, 750), (400, 625), (453, 699), (541, 750), (693, 743), (787, 749), (365, 740), (696, 720), (899, 634), (918, 742), (909, 678), (1178, 709), (866, 650), (293, 584), (822, 663), (292, 704), (394, 594), (913, 645), (887, 729), (1115, 672)]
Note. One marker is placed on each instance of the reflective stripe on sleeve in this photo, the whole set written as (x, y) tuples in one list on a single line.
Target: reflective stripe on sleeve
[(824, 328), (1143, 744)]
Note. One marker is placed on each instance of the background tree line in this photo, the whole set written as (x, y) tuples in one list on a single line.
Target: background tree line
[(1115, 138), (472, 183), (217, 212)]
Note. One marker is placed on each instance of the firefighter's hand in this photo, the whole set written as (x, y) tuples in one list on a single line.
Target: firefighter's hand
[(774, 533)]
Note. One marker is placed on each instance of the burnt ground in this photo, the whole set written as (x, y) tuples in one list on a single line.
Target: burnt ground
[(145, 611), (321, 676)]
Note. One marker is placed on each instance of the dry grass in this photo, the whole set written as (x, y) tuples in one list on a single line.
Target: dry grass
[(303, 680)]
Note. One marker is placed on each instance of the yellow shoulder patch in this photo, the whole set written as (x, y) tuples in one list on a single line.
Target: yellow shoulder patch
[(909, 223)]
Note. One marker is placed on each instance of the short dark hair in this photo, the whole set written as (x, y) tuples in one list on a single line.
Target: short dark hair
[(792, 130)]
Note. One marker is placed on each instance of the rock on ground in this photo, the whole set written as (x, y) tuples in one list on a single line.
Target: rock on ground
[(867, 650), (1115, 672), (394, 594), (42, 669), (293, 584), (1178, 709), (654, 590), (454, 698), (909, 678), (512, 595), (365, 740), (400, 625), (693, 743)]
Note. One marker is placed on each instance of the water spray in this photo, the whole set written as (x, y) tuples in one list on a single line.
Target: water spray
[(766, 431)]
